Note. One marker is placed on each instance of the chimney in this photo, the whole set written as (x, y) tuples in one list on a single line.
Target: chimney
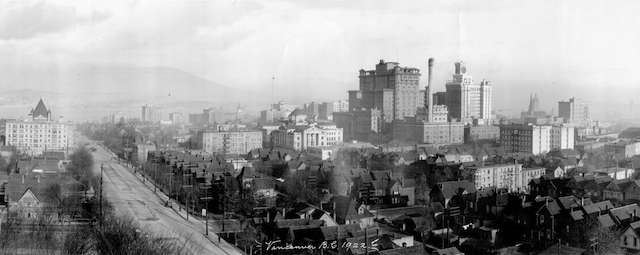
[(582, 201), (428, 97)]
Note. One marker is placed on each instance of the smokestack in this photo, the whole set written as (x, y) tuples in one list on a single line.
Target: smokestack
[(429, 98)]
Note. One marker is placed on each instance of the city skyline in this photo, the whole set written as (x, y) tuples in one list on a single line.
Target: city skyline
[(542, 45)]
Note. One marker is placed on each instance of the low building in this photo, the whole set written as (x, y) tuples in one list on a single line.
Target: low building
[(231, 142), (481, 133), (420, 131), (623, 149), (507, 176), (143, 150), (531, 139), (305, 137), (360, 125), (616, 173), (529, 174), (630, 238)]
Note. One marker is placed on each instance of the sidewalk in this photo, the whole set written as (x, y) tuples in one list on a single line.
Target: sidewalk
[(213, 236)]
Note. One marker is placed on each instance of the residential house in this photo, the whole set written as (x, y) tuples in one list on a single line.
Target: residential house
[(444, 191), (625, 214), (630, 238), (617, 189), (616, 173)]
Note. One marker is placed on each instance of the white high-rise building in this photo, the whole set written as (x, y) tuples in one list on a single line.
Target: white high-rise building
[(465, 100), (39, 133), (562, 137)]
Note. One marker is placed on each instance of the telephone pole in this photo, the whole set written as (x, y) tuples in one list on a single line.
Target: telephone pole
[(101, 213)]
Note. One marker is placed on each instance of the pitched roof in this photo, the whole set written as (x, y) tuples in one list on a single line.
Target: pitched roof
[(624, 212), (568, 202), (598, 207), (40, 110), (341, 231), (552, 206), (577, 215), (451, 188), (605, 221)]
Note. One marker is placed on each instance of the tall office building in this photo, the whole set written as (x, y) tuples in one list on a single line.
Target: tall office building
[(574, 111), (465, 100), (151, 113), (562, 137), (393, 89), (39, 133)]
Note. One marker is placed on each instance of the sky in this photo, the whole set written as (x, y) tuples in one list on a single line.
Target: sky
[(314, 49)]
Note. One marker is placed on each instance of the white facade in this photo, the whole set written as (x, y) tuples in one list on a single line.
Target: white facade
[(465, 100), (530, 174), (341, 106), (532, 139), (231, 142), (508, 176), (499, 176), (562, 137), (35, 137), (304, 137)]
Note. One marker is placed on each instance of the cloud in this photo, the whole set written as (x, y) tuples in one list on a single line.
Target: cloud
[(24, 20)]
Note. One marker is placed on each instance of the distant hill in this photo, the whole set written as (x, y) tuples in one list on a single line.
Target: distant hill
[(85, 91)]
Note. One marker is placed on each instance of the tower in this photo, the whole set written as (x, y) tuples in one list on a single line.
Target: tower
[(428, 100)]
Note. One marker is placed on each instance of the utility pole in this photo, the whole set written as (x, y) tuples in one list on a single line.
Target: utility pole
[(101, 213), (206, 198)]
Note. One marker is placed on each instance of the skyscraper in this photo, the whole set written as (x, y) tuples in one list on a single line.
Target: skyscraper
[(390, 88), (465, 100), (574, 111)]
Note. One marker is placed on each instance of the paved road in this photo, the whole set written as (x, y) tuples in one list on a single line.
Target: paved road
[(129, 196)]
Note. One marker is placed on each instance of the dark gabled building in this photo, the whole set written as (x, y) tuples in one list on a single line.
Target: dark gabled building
[(552, 187)]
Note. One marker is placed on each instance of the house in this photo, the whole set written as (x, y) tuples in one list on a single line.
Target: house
[(30, 206), (616, 173), (625, 214), (630, 238), (547, 219), (445, 191), (312, 213), (553, 187), (34, 195), (598, 208), (403, 191), (285, 228), (616, 189), (347, 211), (559, 172), (339, 232)]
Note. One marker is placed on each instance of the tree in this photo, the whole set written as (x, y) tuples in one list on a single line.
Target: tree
[(81, 165)]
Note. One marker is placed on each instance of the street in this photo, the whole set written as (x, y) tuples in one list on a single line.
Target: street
[(130, 196)]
